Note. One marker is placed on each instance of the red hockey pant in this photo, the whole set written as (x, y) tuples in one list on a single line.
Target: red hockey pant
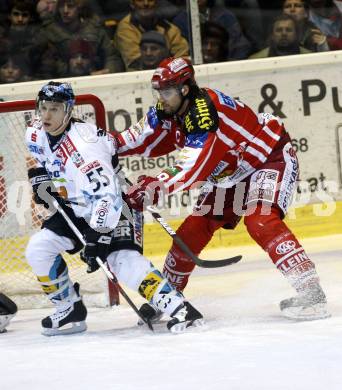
[(268, 231)]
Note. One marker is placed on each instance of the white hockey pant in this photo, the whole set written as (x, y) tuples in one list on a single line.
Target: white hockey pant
[(129, 266)]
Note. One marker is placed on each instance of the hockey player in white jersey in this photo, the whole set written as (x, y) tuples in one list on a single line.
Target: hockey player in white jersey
[(78, 160)]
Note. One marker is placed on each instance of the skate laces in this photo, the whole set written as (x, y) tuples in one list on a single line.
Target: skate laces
[(62, 310), (180, 314)]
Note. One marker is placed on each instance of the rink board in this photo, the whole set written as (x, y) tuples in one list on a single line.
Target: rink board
[(157, 242), (301, 220)]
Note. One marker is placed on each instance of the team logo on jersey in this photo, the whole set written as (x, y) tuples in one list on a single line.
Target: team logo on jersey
[(33, 148), (263, 186), (135, 131), (71, 150), (289, 180), (60, 153), (138, 227), (102, 213), (285, 247), (204, 120), (196, 140), (152, 117), (37, 124), (90, 166), (188, 124), (77, 159), (202, 116), (122, 230), (171, 172), (34, 137), (226, 100)]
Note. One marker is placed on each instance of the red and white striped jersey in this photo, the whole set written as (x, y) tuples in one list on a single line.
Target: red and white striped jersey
[(240, 142)]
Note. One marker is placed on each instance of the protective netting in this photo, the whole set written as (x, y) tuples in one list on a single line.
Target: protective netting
[(20, 218)]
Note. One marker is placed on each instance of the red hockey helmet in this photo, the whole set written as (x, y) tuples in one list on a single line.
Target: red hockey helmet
[(172, 72)]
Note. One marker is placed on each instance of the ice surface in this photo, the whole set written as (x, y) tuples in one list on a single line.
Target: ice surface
[(246, 343)]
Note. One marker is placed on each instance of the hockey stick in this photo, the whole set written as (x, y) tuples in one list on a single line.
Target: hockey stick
[(109, 275), (186, 249), (182, 244)]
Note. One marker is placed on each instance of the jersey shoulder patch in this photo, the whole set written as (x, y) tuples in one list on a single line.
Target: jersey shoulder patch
[(86, 131), (196, 140), (152, 117), (36, 124), (33, 132), (225, 100)]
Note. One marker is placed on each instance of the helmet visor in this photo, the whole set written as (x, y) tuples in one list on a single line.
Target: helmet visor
[(165, 94)]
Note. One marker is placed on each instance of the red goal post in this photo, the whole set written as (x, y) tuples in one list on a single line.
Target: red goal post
[(20, 217)]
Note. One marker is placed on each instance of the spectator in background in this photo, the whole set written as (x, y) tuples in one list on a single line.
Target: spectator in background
[(81, 58), (144, 17), (284, 39), (50, 65), (168, 9), (215, 43), (18, 35), (46, 9), (115, 10), (326, 16), (4, 10), (14, 69), (310, 36), (69, 23), (250, 18), (239, 46), (153, 49)]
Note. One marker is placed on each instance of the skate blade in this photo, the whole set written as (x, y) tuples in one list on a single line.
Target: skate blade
[(77, 327), (300, 313), (181, 327), (154, 320)]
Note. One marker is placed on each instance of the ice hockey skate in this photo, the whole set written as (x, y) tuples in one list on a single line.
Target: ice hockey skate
[(150, 313), (69, 317), (8, 310), (311, 305), (185, 317)]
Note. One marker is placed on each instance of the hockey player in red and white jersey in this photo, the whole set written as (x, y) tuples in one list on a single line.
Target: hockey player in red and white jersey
[(245, 166), (78, 160)]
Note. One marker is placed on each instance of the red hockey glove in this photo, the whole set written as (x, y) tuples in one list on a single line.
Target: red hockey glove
[(145, 193)]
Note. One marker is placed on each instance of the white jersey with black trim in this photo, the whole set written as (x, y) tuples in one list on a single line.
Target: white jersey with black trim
[(80, 165)]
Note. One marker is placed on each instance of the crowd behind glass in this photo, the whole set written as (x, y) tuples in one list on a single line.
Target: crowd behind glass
[(45, 39)]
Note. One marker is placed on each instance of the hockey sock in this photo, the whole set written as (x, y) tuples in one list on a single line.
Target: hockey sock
[(271, 233), (159, 292), (178, 268), (196, 232), (57, 284)]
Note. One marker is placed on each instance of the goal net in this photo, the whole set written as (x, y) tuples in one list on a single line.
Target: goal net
[(20, 217)]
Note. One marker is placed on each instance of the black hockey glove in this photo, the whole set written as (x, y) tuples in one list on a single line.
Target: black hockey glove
[(42, 186), (97, 245)]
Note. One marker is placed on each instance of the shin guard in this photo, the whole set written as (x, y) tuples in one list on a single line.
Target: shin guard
[(178, 266), (272, 234)]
